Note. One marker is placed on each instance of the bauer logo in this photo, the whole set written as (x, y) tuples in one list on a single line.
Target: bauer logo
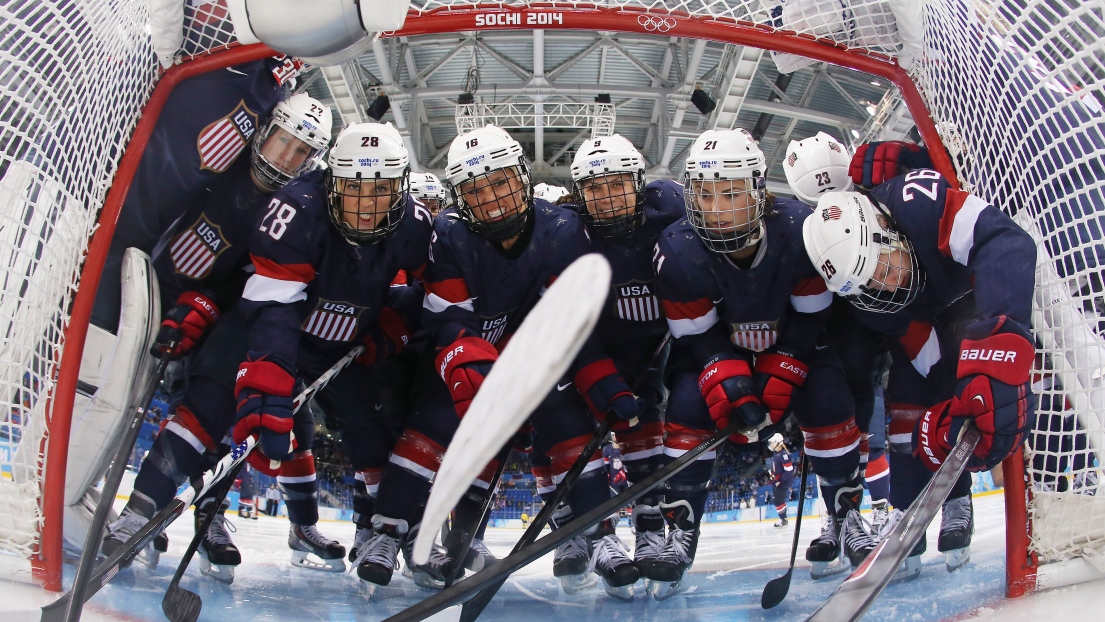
[(195, 250), (220, 143), (997, 356), (333, 321)]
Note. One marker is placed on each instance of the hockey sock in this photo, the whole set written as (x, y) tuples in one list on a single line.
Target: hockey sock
[(405, 486), (300, 488), (643, 455), (366, 484), (175, 456), (877, 476)]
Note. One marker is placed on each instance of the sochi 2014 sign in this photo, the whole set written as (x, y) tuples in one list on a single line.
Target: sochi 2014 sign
[(515, 19)]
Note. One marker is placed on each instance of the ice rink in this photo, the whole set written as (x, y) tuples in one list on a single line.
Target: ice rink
[(734, 562)]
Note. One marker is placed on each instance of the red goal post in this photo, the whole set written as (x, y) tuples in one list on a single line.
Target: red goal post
[(943, 89)]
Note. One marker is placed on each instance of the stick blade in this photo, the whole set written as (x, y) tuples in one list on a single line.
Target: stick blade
[(537, 356), (776, 590), (180, 605)]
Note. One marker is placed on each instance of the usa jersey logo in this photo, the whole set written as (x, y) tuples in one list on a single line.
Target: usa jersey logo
[(333, 321), (493, 329), (636, 302), (220, 142), (754, 336), (195, 250)]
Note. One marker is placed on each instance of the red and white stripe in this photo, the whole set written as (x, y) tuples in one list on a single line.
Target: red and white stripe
[(811, 296), (832, 440), (418, 454), (689, 318), (903, 418), (219, 145), (680, 439), (371, 479), (444, 294), (957, 225), (639, 308), (877, 469), (330, 326), (494, 335), (643, 443), (563, 455), (754, 340), (299, 470), (922, 346), (191, 256)]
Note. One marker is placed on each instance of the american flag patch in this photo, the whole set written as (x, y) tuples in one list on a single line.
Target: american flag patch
[(195, 250), (220, 142), (831, 213), (636, 302), (333, 321), (754, 336), (494, 328)]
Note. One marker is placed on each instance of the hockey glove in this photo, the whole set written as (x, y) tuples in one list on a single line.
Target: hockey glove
[(387, 336), (522, 441), (729, 391), (777, 375), (264, 392), (607, 394), (879, 162), (185, 324), (463, 366)]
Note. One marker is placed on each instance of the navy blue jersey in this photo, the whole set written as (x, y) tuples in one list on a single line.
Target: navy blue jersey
[(632, 320), (314, 293), (965, 246), (209, 247), (474, 288), (782, 466), (779, 302)]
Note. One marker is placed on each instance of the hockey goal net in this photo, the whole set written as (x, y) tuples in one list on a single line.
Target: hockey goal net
[(1010, 87)]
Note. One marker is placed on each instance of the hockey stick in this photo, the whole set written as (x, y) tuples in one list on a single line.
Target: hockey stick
[(181, 605), (856, 594), (508, 565), (111, 487), (469, 535), (776, 589)]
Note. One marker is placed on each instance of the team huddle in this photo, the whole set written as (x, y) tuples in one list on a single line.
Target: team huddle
[(775, 308)]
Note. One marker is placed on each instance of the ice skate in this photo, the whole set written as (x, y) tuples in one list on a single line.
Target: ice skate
[(782, 522), (311, 549), (956, 526), (246, 511), (648, 529), (880, 514), (434, 572), (572, 558), (477, 557), (670, 569), (377, 551), (911, 567), (218, 555), (857, 538), (824, 551), (134, 516), (610, 560)]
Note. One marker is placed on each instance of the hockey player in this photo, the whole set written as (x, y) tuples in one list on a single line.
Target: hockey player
[(782, 476), (492, 256), (950, 279), (746, 309), (200, 267), (624, 218), (426, 187)]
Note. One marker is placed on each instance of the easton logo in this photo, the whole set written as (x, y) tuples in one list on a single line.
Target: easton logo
[(220, 142), (333, 321), (195, 250)]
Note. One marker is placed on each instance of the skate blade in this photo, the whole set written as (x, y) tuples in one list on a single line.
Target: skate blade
[(955, 559), (304, 559), (222, 574), (149, 557), (623, 593), (367, 589), (575, 583), (427, 580), (663, 590), (824, 570), (909, 570)]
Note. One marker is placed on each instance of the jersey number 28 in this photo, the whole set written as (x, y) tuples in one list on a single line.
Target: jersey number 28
[(281, 214)]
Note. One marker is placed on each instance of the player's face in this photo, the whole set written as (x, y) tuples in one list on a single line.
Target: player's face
[(495, 196), (434, 205), (609, 196), (727, 205), (894, 270), (284, 151), (365, 202)]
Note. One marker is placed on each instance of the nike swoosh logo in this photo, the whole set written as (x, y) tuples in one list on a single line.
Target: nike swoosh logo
[(718, 301), (379, 406), (980, 400), (560, 387), (456, 385)]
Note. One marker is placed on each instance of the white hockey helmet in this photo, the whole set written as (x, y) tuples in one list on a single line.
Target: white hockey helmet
[(364, 156), (860, 255), (726, 214), (427, 188), (307, 120), (477, 162), (609, 178), (549, 192), (816, 165), (775, 442)]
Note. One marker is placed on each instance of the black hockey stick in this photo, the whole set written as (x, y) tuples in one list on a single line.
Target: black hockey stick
[(181, 605), (856, 594), (776, 589), (111, 487), (508, 565), (470, 534)]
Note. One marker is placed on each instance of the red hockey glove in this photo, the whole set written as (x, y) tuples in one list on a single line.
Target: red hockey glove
[(607, 394), (185, 324), (386, 337), (879, 162), (930, 435), (777, 375), (727, 387), (463, 366), (264, 392)]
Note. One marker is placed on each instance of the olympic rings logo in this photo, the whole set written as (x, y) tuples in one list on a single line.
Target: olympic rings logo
[(656, 24)]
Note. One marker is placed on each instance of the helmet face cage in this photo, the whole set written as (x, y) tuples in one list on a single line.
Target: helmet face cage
[(611, 202), (273, 176), (387, 218), (725, 213), (897, 278), (498, 203)]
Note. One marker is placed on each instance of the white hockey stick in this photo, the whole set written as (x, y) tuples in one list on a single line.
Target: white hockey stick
[(536, 357)]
